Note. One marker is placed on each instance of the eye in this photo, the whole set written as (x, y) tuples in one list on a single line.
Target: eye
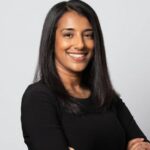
[(88, 35), (68, 35)]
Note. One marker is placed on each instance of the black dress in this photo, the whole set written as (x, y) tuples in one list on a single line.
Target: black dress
[(45, 127)]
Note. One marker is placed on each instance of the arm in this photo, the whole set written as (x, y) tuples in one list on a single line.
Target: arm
[(40, 124), (127, 121), (135, 137)]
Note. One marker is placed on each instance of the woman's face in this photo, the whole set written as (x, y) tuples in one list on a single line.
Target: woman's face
[(74, 43)]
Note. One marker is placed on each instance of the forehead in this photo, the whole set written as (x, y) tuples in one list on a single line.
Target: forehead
[(73, 19)]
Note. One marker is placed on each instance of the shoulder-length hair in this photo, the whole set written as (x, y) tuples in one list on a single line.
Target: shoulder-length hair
[(95, 77)]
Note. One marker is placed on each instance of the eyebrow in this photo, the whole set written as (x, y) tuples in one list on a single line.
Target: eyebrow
[(72, 29)]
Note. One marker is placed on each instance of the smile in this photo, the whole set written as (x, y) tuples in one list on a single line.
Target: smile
[(77, 57)]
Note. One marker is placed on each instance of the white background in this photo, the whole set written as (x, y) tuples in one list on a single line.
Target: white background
[(126, 29)]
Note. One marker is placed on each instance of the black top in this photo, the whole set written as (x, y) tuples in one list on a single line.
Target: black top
[(45, 127)]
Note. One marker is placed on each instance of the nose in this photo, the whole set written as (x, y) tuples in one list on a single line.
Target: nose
[(79, 42)]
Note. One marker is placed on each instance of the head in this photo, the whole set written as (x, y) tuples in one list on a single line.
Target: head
[(74, 43), (73, 27)]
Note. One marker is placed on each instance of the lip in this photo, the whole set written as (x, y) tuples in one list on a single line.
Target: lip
[(78, 59), (73, 52)]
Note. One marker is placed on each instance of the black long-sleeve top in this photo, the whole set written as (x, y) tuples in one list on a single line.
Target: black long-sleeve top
[(44, 129)]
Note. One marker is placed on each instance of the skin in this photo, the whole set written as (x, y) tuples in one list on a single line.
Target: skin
[(70, 148), (73, 33), (134, 144), (138, 144)]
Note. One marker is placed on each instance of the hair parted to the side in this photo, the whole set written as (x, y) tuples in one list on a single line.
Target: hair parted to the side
[(95, 76)]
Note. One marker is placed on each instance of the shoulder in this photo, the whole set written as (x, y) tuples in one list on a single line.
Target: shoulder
[(36, 87), (117, 103), (36, 93)]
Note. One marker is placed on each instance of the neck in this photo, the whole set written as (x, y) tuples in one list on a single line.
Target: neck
[(70, 80), (72, 83)]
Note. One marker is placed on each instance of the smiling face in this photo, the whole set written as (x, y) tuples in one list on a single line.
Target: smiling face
[(74, 43)]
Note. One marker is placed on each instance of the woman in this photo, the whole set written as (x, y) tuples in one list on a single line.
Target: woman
[(72, 103)]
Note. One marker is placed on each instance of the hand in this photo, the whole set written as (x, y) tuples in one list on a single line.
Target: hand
[(138, 144), (70, 148)]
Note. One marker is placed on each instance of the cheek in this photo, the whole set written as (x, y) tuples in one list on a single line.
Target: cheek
[(61, 45), (60, 49), (90, 47), (90, 44)]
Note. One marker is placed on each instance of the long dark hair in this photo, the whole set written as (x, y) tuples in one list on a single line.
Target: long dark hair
[(95, 77)]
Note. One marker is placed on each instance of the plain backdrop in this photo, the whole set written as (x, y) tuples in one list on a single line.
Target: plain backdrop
[(126, 29)]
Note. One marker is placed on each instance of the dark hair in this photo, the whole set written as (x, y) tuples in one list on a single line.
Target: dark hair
[(95, 76)]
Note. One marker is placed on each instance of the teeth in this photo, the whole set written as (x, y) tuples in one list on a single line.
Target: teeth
[(77, 55)]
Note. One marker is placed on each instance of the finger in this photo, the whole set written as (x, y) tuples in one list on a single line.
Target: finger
[(136, 146), (133, 141), (139, 146), (70, 148), (147, 145)]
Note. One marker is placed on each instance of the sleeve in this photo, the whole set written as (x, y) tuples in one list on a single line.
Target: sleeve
[(40, 125), (127, 121)]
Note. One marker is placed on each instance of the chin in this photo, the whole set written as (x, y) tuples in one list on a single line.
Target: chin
[(78, 69)]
